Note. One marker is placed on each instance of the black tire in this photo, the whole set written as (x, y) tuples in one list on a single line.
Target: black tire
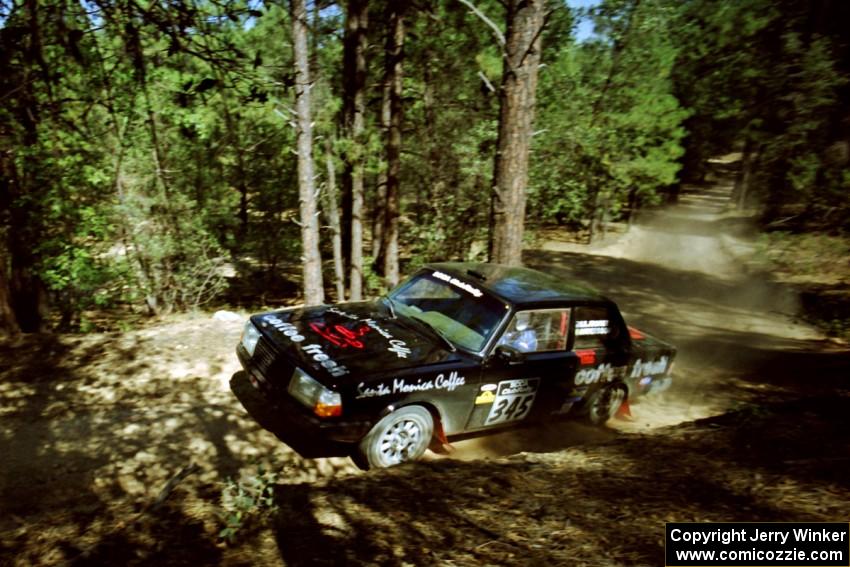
[(359, 459), (399, 437), (604, 403)]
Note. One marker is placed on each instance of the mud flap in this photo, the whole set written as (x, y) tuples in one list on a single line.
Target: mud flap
[(440, 444), (625, 411)]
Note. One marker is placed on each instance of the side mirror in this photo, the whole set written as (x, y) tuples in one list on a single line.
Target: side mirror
[(508, 355)]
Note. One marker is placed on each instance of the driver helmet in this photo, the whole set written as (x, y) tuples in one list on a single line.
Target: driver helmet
[(523, 321)]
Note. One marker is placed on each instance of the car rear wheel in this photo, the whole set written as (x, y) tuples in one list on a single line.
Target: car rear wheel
[(604, 403), (399, 437)]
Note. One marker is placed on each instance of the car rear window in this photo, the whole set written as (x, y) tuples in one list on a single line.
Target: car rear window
[(594, 327)]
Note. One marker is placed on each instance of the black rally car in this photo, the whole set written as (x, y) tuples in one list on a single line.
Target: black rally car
[(457, 349)]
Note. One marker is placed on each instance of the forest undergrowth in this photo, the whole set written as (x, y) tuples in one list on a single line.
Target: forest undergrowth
[(817, 264)]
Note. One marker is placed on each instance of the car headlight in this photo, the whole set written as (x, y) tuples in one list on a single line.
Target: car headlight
[(323, 402), (250, 337)]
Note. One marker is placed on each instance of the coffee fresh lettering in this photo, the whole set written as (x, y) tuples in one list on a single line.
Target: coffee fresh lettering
[(288, 329), (602, 373), (316, 352), (642, 368)]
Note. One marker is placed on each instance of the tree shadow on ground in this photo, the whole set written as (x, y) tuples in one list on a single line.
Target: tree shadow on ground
[(52, 439), (36, 374), (166, 536), (93, 430), (600, 504)]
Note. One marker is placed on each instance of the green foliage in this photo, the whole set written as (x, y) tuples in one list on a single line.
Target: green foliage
[(450, 133), (770, 77), (610, 128), (373, 283), (176, 263), (143, 152), (243, 500), (793, 167), (128, 191)]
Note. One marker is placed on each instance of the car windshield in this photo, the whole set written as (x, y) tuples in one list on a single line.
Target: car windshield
[(462, 313)]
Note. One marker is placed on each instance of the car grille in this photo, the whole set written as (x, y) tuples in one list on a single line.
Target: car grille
[(272, 365)]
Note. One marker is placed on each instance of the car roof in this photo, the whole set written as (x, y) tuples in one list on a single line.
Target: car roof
[(520, 286)]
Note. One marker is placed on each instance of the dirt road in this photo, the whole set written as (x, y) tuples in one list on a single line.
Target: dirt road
[(93, 428), (684, 273)]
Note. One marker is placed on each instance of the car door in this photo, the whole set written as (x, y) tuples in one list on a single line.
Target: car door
[(527, 376)]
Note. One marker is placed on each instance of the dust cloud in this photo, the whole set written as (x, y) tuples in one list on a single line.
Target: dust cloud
[(683, 273)]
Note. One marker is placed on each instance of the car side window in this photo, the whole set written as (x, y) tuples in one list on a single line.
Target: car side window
[(594, 327), (541, 330)]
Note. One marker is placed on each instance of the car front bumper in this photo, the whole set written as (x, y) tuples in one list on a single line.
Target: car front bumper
[(284, 416)]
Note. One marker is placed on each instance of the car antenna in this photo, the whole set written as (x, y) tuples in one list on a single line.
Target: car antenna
[(477, 275)]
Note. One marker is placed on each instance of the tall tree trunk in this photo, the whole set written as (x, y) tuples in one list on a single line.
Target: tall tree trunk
[(394, 57), (432, 184), (525, 20), (314, 292), (332, 213), (8, 321), (379, 210), (21, 193), (27, 291), (354, 110)]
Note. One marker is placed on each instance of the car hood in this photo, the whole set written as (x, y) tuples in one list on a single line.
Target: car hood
[(348, 341)]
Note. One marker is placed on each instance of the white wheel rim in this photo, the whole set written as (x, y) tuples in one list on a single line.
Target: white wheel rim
[(400, 442)]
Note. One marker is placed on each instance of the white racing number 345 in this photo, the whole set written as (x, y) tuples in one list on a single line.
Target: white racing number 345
[(513, 400)]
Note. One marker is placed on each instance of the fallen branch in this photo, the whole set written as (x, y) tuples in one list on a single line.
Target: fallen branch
[(169, 487)]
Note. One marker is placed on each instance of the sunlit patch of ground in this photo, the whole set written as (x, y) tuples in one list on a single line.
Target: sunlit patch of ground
[(95, 427), (115, 447)]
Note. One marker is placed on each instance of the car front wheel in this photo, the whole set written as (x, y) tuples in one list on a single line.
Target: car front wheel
[(399, 437), (604, 403)]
